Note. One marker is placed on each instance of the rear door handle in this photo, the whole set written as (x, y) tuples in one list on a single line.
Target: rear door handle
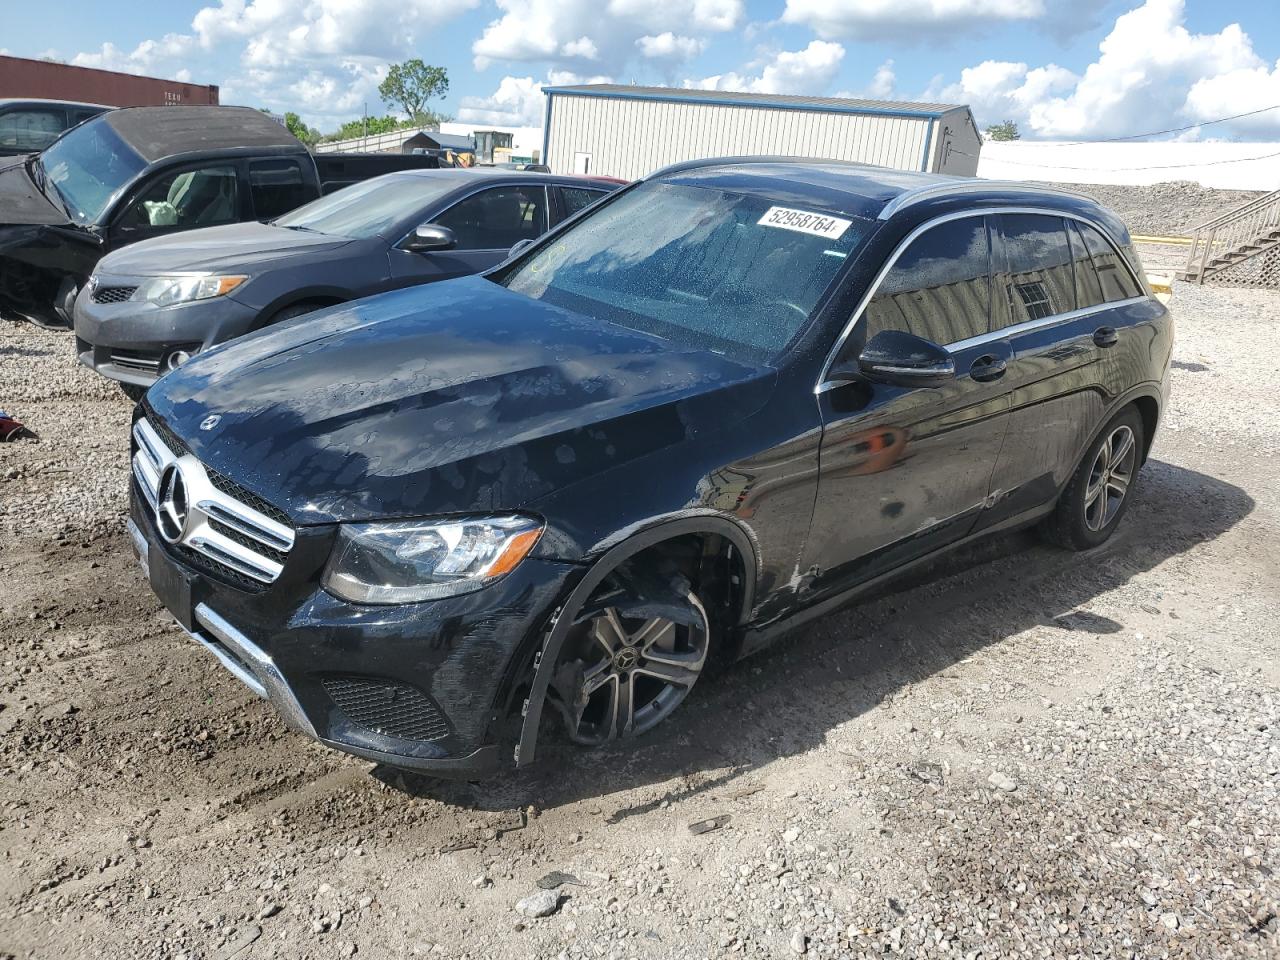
[(1106, 337), (988, 368)]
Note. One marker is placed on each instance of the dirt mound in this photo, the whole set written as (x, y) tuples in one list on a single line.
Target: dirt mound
[(1163, 209)]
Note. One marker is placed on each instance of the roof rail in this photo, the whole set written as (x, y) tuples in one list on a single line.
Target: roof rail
[(930, 190)]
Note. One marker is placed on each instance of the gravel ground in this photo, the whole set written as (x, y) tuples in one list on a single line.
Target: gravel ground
[(1164, 209), (1023, 752)]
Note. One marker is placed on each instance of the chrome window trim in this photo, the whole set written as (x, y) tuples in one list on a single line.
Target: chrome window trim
[(823, 384), (546, 206), (960, 187)]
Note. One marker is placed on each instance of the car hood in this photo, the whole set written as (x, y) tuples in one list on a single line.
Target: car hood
[(457, 397), (21, 202), (236, 247)]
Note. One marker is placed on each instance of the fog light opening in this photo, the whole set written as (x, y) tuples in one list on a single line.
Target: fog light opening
[(177, 358)]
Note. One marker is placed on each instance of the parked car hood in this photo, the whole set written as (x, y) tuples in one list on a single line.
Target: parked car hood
[(236, 247), (460, 396), (21, 201)]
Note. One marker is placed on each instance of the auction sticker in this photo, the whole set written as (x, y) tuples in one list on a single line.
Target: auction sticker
[(802, 221)]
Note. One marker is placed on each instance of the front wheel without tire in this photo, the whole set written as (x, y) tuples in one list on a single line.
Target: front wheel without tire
[(629, 663), (1102, 487)]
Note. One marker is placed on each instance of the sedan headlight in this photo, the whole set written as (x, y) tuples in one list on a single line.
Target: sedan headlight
[(414, 560), (163, 291)]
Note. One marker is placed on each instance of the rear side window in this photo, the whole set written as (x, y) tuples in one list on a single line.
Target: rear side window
[(1039, 281), (497, 218), (939, 288), (1113, 278), (575, 198), (30, 130), (277, 187), (1088, 287)]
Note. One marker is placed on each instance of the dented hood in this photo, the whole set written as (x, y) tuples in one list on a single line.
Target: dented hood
[(21, 202), (459, 396)]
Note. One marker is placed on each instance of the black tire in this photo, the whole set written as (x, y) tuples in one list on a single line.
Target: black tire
[(288, 313), (133, 391), (1088, 513)]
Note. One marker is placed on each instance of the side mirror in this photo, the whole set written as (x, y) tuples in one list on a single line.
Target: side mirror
[(905, 360), (429, 236), (517, 247)]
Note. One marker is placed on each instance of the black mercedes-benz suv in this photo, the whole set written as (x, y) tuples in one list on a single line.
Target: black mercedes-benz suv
[(722, 401)]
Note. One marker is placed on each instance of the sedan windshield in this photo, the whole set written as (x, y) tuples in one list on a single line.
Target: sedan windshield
[(368, 209), (715, 269), (89, 167)]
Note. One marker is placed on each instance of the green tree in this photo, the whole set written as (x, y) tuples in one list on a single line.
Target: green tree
[(1003, 131), (410, 85), (307, 135)]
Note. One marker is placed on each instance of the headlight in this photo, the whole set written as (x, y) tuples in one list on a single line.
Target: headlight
[(405, 562), (163, 291)]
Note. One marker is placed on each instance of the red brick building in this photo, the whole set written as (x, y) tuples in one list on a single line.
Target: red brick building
[(45, 79)]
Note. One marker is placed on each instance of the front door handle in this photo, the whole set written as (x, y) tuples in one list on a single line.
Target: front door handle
[(1106, 337), (987, 368)]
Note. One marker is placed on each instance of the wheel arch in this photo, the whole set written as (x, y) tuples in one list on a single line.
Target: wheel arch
[(320, 296), (614, 554)]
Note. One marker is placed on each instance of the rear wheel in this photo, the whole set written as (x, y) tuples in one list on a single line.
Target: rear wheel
[(1102, 487), (629, 662)]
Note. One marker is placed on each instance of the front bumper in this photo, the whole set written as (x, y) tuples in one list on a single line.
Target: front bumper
[(130, 341), (350, 676)]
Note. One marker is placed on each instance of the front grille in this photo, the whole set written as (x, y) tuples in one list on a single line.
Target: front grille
[(388, 707), (136, 360), (227, 531), (113, 294)]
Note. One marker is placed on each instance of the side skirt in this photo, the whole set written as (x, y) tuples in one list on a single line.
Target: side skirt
[(756, 638)]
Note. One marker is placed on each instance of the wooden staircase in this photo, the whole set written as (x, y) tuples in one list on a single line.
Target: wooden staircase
[(1241, 246)]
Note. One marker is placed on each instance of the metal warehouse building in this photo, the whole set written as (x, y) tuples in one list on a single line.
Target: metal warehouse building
[(624, 131)]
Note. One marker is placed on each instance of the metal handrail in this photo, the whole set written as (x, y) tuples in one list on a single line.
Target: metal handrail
[(1231, 231)]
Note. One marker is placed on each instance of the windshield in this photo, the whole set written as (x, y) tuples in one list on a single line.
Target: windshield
[(368, 209), (89, 167), (730, 272)]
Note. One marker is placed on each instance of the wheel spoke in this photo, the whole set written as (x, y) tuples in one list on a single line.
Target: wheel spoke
[(678, 675), (622, 709), (1117, 485), (1104, 455), (656, 631), (609, 632), (1093, 492), (596, 677), (1121, 444)]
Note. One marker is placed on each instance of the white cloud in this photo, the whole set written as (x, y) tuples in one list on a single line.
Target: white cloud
[(518, 101), (323, 58), (905, 19), (557, 30), (1151, 73), (807, 71), (670, 46)]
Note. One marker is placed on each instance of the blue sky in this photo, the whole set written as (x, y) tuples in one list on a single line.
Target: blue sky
[(1081, 69)]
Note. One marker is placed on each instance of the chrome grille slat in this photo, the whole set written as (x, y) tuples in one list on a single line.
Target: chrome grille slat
[(136, 361), (220, 528)]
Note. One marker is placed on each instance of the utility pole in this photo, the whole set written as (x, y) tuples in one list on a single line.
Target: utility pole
[(366, 127)]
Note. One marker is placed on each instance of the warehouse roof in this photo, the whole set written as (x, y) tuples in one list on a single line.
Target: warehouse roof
[(898, 108)]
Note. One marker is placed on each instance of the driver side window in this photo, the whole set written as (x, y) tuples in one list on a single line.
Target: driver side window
[(940, 287), (203, 197)]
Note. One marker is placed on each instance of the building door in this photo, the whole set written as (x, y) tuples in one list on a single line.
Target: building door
[(582, 163)]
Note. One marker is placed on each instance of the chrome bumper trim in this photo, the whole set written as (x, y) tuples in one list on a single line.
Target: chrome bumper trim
[(255, 668)]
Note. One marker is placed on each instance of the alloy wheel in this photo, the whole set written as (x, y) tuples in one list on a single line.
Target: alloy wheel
[(1109, 478), (634, 673)]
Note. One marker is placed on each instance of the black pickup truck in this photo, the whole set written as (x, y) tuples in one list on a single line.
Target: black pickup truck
[(142, 172)]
